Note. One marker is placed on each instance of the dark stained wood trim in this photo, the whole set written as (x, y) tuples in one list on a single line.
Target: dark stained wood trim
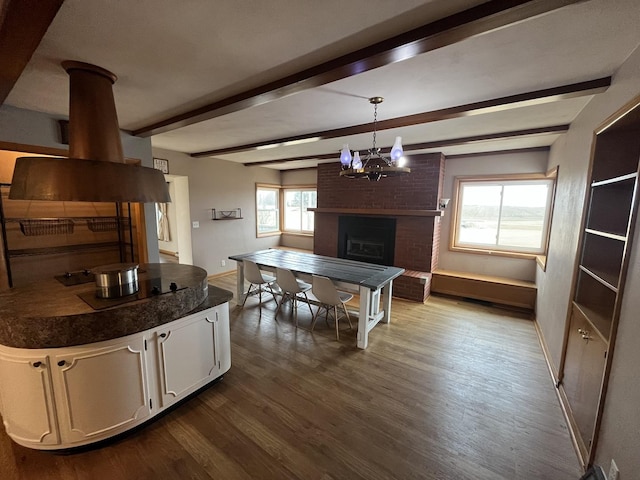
[(23, 23), (537, 97), (555, 129), (473, 22), (379, 211), (33, 149), (500, 152)]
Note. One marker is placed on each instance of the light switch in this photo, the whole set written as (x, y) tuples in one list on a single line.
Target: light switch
[(196, 224)]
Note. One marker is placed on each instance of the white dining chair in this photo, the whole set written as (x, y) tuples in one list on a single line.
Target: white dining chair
[(292, 288), (329, 297), (257, 279)]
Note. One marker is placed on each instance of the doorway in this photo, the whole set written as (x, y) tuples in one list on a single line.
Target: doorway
[(173, 222)]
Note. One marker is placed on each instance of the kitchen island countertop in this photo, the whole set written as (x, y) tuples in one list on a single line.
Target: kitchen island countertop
[(47, 314)]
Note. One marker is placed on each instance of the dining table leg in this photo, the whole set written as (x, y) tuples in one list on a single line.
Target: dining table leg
[(386, 301), (239, 283), (363, 318)]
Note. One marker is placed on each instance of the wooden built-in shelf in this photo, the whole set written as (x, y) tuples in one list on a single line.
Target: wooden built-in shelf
[(600, 324), (379, 211), (604, 278), (621, 178), (600, 233)]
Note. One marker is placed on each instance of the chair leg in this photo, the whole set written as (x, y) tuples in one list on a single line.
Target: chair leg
[(314, 319), (347, 314), (272, 292), (307, 300), (295, 309), (335, 314), (284, 296), (247, 295)]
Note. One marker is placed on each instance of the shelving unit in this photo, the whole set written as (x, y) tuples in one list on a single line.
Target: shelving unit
[(41, 239), (598, 287)]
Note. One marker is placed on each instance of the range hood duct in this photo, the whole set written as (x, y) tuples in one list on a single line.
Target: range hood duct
[(96, 170)]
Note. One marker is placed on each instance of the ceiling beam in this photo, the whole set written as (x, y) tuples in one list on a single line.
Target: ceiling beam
[(23, 23), (552, 130), (527, 99), (481, 19)]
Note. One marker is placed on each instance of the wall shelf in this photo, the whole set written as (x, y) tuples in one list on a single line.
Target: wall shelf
[(234, 214)]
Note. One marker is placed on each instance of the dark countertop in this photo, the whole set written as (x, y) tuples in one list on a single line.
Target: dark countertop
[(47, 314)]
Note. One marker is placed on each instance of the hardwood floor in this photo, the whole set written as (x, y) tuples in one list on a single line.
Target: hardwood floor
[(449, 390)]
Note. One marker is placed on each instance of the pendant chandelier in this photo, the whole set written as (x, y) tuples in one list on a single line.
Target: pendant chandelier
[(374, 165)]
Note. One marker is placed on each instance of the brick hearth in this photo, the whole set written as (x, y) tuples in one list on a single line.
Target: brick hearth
[(411, 199)]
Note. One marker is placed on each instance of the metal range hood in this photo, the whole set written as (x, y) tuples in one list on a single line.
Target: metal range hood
[(96, 170)]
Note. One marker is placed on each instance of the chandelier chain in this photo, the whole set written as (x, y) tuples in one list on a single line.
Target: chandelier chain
[(375, 124)]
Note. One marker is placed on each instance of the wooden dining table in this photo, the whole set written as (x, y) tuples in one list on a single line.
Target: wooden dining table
[(374, 283)]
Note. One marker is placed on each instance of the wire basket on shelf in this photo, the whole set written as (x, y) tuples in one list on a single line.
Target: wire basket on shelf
[(46, 226), (107, 224)]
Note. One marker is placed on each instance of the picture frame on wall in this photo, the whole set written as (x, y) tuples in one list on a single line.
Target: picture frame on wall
[(161, 164)]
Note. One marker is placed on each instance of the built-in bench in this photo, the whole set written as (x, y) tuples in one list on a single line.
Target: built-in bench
[(500, 290)]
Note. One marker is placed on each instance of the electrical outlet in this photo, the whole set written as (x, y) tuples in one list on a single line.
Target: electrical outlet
[(196, 224), (223, 263), (613, 471)]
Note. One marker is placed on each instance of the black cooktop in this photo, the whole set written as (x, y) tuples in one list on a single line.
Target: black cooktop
[(146, 288)]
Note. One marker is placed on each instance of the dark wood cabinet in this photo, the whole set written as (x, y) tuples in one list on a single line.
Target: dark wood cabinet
[(598, 285)]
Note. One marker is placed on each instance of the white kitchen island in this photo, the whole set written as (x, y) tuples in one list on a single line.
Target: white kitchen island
[(63, 397)]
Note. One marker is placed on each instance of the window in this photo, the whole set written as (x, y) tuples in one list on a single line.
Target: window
[(507, 214), (267, 210), (296, 216)]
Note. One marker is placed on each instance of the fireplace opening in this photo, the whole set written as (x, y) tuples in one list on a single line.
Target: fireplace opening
[(367, 239)]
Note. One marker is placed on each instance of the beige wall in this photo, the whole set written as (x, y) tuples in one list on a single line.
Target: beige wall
[(516, 268), (222, 185), (619, 436)]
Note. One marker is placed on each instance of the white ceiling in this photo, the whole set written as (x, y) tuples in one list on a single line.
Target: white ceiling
[(174, 56)]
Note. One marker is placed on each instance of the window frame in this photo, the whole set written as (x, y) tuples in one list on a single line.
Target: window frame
[(277, 189), (296, 188), (540, 256)]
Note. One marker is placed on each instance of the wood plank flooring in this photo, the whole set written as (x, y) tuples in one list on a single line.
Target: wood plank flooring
[(449, 390)]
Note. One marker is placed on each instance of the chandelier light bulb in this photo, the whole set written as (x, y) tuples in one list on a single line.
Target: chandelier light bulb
[(357, 163), (345, 156), (396, 150)]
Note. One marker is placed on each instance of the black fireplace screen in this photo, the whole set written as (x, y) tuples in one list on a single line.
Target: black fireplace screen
[(367, 239)]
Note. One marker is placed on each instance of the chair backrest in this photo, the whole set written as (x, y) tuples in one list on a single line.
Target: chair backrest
[(325, 291), (252, 272), (287, 280)]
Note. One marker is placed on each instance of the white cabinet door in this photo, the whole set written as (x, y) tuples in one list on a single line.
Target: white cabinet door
[(26, 397), (190, 354), (102, 390)]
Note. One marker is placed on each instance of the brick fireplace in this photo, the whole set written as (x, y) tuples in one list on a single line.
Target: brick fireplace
[(411, 200)]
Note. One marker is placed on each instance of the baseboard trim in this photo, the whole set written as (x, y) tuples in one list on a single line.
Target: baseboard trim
[(560, 395)]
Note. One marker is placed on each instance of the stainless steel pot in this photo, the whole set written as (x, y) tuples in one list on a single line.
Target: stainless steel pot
[(116, 280)]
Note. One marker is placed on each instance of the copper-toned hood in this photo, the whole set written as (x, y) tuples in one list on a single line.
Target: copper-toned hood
[(96, 170)]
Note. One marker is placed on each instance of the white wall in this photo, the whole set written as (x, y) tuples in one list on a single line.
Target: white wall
[(298, 177), (222, 185), (620, 433), (516, 268), (33, 128)]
